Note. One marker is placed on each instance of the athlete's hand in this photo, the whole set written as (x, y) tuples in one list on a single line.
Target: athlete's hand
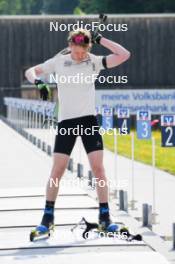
[(45, 92), (95, 37)]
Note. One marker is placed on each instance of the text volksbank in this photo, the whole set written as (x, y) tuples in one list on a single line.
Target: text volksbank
[(158, 101), (138, 96)]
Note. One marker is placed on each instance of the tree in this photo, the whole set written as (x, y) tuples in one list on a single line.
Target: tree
[(126, 6), (25, 7), (20, 7), (10, 7), (36, 6), (59, 7)]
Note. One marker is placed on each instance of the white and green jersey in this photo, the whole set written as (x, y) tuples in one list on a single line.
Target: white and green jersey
[(75, 82)]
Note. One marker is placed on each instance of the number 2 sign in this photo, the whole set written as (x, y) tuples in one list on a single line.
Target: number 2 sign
[(168, 130)]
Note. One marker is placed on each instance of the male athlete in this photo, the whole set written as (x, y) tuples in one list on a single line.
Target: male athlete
[(77, 107)]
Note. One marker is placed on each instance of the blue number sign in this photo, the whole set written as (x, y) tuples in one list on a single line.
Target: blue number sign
[(143, 124), (107, 118), (123, 121), (168, 130)]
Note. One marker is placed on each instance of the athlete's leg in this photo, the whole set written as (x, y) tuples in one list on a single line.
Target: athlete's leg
[(93, 144), (60, 162), (59, 165), (96, 163), (62, 150)]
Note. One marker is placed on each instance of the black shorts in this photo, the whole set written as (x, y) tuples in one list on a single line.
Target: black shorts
[(68, 130)]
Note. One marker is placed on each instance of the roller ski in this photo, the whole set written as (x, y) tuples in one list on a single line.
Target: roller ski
[(46, 228), (111, 230), (41, 232)]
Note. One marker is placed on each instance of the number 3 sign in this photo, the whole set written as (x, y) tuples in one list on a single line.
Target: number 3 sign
[(143, 124)]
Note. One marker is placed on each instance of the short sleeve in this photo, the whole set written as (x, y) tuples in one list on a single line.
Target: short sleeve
[(49, 66), (99, 62)]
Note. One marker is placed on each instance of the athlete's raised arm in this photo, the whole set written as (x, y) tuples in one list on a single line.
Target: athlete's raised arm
[(119, 53)]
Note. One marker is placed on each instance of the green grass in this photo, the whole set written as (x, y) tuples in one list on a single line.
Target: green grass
[(165, 157)]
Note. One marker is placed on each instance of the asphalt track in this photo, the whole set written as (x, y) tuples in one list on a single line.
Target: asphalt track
[(24, 172)]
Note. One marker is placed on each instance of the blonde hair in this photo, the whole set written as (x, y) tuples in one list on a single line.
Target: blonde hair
[(77, 32)]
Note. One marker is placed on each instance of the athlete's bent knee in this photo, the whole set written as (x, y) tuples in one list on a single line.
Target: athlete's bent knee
[(98, 171), (57, 172)]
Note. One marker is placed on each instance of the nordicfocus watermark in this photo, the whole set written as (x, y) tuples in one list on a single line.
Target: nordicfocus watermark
[(112, 235), (56, 26), (79, 130), (81, 78), (94, 234), (86, 182)]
